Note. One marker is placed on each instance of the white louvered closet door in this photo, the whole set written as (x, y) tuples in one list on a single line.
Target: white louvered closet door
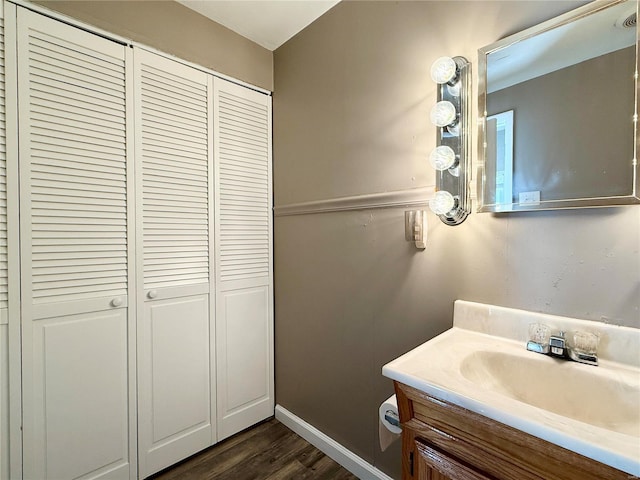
[(244, 281), (174, 187), (78, 382), (8, 234)]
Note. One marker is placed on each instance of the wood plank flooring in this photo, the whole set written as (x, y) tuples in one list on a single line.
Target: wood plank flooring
[(269, 451)]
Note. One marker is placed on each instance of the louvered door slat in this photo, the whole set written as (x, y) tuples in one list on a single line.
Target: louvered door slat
[(187, 134), (187, 107), (157, 110), (166, 123), (78, 130), (77, 161), (184, 174), (76, 59), (163, 88), (243, 167), (75, 108), (168, 182), (94, 257), (59, 64), (195, 88), (81, 262), (70, 134), (76, 103), (70, 209), (3, 180), (249, 110), (78, 120), (83, 145), (181, 139), (243, 162), (70, 74), (75, 93), (243, 151), (239, 123), (79, 176), (108, 58)]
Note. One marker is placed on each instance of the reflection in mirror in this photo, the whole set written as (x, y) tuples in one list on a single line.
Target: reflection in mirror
[(559, 102), (500, 130)]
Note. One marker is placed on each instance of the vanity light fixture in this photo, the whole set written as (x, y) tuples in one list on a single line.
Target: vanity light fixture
[(442, 203), (452, 117), (444, 70), (443, 158), (443, 114)]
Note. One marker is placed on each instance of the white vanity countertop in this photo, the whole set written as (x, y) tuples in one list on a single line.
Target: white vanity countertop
[(482, 364)]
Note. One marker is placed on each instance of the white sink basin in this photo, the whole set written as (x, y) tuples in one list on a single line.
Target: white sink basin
[(593, 395), (482, 364)]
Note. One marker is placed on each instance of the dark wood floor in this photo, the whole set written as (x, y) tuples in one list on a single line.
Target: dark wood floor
[(269, 451)]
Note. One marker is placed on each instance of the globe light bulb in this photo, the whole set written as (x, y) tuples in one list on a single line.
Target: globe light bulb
[(443, 70), (442, 203), (442, 158), (443, 113)]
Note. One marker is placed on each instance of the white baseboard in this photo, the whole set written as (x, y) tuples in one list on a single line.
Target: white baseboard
[(345, 457)]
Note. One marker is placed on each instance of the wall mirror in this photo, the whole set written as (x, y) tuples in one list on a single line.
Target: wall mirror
[(558, 106)]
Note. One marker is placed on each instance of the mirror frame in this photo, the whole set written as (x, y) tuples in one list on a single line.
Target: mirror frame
[(566, 18)]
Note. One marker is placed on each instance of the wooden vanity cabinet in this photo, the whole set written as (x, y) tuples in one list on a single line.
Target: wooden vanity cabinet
[(442, 441), (429, 463)]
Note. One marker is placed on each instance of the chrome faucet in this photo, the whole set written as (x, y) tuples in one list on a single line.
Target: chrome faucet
[(582, 348)]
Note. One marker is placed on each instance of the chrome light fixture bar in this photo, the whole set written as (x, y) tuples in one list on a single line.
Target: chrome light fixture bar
[(451, 158)]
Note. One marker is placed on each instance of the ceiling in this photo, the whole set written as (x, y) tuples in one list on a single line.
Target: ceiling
[(269, 23)]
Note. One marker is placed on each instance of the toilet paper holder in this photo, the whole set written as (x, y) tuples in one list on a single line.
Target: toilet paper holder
[(392, 417), (389, 428)]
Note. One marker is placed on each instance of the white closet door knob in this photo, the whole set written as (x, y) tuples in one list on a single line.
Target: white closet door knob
[(152, 294), (116, 302)]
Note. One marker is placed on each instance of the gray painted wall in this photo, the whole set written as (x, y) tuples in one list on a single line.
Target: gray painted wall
[(351, 104), (173, 28)]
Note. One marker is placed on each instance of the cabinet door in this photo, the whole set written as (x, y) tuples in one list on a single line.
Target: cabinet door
[(433, 464), (244, 285), (78, 377), (174, 178)]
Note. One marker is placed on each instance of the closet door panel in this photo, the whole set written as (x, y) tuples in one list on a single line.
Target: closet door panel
[(78, 368), (179, 379), (244, 285), (81, 362), (244, 349), (173, 158), (4, 399)]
